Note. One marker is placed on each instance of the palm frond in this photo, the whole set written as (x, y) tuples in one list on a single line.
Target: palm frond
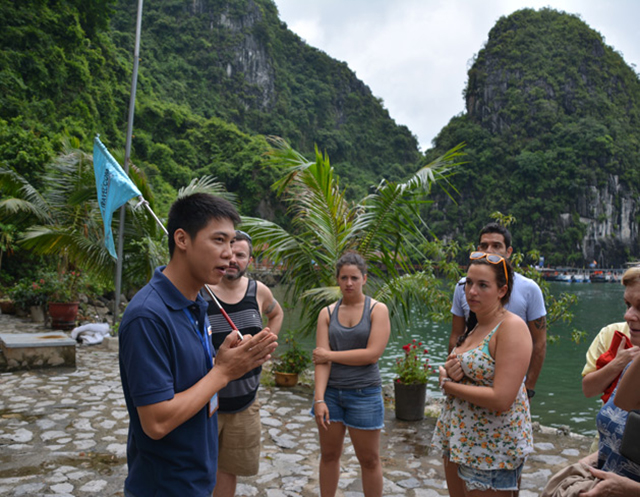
[(301, 270), (419, 292), (88, 255), (293, 162), (20, 197), (385, 227), (313, 301), (207, 184), (438, 171)]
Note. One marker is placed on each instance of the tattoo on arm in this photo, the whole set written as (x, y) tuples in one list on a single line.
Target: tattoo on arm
[(540, 323), (271, 307)]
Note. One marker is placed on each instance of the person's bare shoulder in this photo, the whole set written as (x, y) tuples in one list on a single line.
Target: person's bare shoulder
[(263, 291), (515, 322), (376, 304)]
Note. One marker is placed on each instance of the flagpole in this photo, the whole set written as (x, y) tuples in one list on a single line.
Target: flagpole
[(127, 155)]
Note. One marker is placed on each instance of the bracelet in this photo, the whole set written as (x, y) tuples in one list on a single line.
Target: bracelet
[(319, 402), (444, 380)]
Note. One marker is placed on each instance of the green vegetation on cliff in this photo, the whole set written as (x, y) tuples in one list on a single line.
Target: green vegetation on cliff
[(553, 132), (551, 126), (214, 76)]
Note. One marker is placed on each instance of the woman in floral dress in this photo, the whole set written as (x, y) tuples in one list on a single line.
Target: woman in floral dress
[(484, 430)]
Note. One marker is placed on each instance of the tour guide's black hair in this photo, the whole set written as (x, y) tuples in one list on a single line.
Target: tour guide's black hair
[(498, 270), (193, 212), (497, 228), (351, 258)]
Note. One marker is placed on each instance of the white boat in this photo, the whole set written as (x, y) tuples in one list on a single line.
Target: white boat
[(580, 278), (564, 278)]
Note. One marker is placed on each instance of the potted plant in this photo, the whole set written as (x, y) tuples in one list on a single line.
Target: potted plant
[(410, 385), (290, 364), (64, 291), (30, 296), (7, 305)]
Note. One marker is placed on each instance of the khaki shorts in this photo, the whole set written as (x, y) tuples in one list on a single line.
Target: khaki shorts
[(239, 441)]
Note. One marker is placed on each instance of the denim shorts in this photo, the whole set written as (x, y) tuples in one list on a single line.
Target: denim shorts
[(491, 479), (361, 408)]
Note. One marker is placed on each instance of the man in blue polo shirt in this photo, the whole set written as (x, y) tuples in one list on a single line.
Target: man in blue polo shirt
[(166, 359)]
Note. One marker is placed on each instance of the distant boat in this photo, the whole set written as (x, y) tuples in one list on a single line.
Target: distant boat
[(548, 274), (564, 278), (580, 278), (598, 277)]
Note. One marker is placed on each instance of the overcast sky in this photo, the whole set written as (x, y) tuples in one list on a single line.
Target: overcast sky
[(414, 54)]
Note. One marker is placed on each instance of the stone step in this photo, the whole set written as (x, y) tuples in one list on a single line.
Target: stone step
[(36, 350)]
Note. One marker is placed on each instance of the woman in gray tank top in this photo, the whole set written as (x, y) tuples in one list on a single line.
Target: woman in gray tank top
[(351, 336)]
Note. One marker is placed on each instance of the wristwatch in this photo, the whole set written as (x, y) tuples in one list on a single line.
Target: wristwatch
[(530, 392)]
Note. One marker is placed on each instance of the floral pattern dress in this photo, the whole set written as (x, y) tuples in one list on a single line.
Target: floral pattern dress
[(478, 437), (611, 421)]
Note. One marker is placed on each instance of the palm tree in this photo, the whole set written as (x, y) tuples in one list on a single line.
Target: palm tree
[(385, 227), (64, 219)]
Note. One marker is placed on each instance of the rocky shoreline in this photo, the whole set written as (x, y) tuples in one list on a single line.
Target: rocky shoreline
[(63, 433)]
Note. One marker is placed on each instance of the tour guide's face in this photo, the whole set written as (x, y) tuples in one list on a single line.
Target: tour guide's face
[(209, 252), (493, 243), (239, 261), (632, 316)]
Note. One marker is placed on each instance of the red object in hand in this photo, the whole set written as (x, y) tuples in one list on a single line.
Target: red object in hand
[(609, 356)]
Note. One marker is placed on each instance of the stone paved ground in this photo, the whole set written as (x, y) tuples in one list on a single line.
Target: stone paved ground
[(63, 433)]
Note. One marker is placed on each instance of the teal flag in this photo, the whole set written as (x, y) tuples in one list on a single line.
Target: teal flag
[(114, 188)]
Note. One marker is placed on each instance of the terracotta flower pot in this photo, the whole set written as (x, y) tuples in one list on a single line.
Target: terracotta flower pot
[(286, 379), (63, 315), (410, 401), (7, 306)]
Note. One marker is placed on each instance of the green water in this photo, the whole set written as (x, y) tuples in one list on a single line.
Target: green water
[(559, 399)]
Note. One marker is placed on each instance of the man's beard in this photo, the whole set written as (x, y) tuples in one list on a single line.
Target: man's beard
[(237, 276)]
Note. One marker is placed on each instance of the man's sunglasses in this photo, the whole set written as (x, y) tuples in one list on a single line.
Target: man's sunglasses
[(492, 258), (246, 235)]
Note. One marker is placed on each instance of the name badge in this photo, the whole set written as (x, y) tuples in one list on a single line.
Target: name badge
[(213, 405), (213, 402)]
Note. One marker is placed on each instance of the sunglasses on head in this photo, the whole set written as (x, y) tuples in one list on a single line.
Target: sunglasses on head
[(492, 258), (246, 235)]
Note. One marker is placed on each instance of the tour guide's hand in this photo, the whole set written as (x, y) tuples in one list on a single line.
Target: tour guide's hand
[(611, 485), (321, 355), (322, 415), (237, 357), (453, 366)]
